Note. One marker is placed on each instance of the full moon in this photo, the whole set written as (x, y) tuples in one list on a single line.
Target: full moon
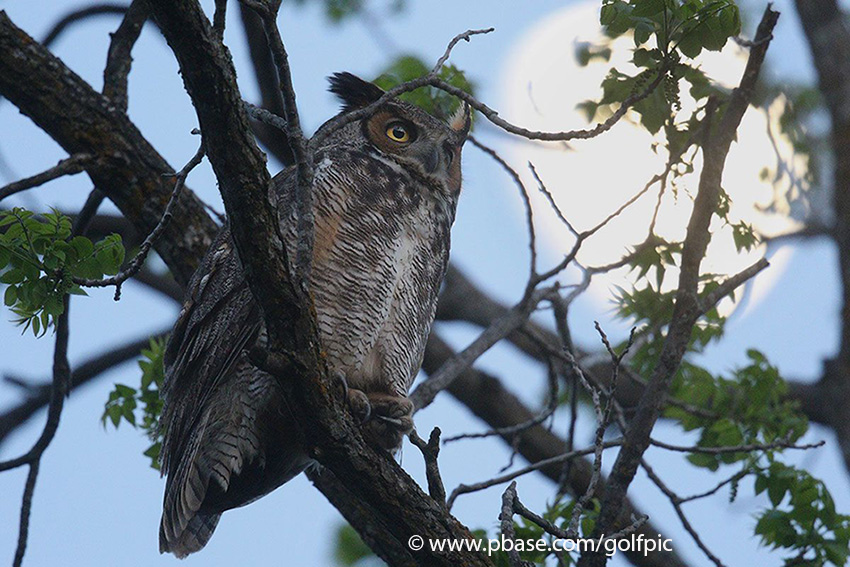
[(589, 179)]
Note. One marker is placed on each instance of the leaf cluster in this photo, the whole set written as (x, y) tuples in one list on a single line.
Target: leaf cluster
[(125, 402), (434, 101), (39, 259)]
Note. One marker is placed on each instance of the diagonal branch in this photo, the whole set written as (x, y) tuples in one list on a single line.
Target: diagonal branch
[(333, 438), (68, 166), (687, 308), (487, 398), (127, 168)]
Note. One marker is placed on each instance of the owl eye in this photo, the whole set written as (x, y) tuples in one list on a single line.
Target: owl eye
[(398, 133)]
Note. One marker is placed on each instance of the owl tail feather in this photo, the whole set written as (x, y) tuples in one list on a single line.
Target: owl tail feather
[(193, 538)]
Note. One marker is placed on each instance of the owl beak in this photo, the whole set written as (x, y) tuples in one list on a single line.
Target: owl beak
[(431, 159)]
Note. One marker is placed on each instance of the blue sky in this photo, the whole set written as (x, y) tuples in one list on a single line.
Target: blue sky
[(98, 503)]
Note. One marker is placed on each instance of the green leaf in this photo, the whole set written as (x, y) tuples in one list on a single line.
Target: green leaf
[(349, 548), (13, 276), (11, 296), (82, 246)]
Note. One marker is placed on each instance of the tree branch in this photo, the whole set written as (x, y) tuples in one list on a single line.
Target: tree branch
[(334, 440), (687, 308), (127, 169), (487, 398)]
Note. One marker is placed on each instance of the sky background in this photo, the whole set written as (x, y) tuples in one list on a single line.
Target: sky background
[(98, 503)]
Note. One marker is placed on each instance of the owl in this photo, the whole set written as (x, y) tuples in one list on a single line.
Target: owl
[(384, 197)]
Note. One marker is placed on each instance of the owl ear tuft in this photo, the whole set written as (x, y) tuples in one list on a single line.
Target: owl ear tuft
[(353, 91), (461, 120)]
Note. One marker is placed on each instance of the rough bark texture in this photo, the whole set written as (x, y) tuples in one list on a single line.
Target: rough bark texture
[(127, 168), (334, 440)]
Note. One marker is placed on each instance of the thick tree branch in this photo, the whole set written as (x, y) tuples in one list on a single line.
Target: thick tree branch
[(240, 168), (126, 168)]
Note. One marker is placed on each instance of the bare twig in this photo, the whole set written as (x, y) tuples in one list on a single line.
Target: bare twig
[(478, 486), (265, 116), (727, 449), (59, 27), (144, 249), (295, 136), (68, 166), (59, 388), (430, 451), (675, 501), (513, 430), (529, 214), (732, 283), (549, 197), (432, 79), (425, 393), (506, 521)]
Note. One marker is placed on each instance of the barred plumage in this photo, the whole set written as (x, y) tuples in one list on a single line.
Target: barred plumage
[(384, 199)]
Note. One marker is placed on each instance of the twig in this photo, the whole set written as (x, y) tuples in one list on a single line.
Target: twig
[(144, 249), (529, 214), (734, 478), (265, 73), (79, 15), (430, 451), (547, 526), (265, 116), (727, 449), (513, 430), (465, 36), (118, 59), (295, 136), (478, 486), (432, 79), (549, 197), (675, 501), (61, 379), (68, 166), (506, 521), (603, 417), (731, 284), (425, 393)]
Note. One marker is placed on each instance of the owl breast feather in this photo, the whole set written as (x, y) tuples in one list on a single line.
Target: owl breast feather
[(380, 253)]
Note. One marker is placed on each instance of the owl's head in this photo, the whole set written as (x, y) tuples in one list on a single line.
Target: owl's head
[(408, 135)]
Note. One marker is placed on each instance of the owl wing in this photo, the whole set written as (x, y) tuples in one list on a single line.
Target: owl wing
[(224, 420), (205, 436)]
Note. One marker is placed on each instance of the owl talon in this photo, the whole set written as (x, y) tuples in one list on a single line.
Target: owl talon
[(392, 420), (357, 401)]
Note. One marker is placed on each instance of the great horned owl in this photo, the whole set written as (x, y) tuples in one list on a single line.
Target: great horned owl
[(384, 198)]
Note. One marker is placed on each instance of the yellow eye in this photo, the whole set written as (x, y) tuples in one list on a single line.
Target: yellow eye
[(398, 133)]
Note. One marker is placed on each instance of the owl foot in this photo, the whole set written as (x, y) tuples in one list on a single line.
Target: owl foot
[(391, 421), (357, 400)]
